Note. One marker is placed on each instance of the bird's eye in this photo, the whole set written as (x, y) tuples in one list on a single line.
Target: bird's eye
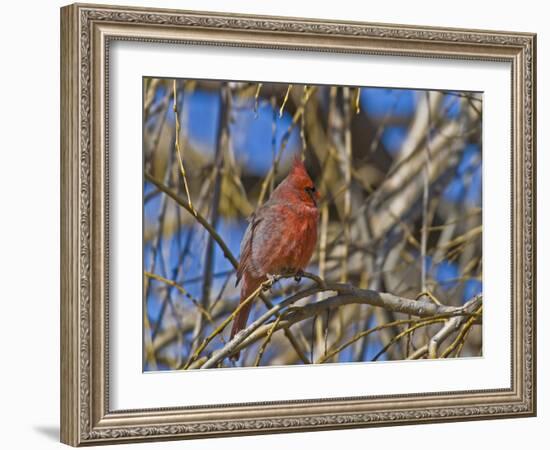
[(310, 189)]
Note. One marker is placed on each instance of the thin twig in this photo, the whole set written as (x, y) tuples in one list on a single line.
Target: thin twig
[(357, 101), (182, 290), (461, 337), (220, 328), (257, 97), (179, 151), (407, 332), (183, 203), (267, 339), (284, 141), (281, 110), (378, 328)]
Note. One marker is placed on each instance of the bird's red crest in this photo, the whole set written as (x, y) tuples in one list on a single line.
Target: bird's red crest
[(298, 172)]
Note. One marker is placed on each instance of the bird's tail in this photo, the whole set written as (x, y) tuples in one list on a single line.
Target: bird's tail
[(249, 285)]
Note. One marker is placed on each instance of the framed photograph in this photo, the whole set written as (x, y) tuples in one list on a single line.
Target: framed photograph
[(277, 225)]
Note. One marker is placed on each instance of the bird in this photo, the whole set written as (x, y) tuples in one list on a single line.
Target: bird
[(280, 238)]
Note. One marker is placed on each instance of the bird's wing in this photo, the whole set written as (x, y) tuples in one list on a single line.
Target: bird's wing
[(246, 245)]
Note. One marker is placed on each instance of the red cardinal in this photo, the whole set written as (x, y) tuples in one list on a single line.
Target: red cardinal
[(280, 237)]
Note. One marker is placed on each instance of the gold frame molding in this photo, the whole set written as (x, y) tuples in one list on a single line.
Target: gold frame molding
[(86, 33)]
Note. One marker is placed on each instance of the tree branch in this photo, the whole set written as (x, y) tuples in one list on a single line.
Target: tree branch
[(346, 294)]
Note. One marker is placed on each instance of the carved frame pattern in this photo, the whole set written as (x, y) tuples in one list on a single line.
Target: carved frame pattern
[(86, 33)]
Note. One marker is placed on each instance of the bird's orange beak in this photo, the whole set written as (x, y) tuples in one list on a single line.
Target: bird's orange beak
[(316, 197)]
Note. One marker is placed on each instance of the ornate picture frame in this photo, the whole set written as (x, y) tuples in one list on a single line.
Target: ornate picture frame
[(87, 31)]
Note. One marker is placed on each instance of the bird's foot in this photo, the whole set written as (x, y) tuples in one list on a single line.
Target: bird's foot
[(298, 275), (271, 278)]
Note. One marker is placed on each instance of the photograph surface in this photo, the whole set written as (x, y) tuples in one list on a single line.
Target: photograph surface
[(288, 224)]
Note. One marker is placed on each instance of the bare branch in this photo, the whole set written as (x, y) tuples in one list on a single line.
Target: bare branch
[(347, 294)]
